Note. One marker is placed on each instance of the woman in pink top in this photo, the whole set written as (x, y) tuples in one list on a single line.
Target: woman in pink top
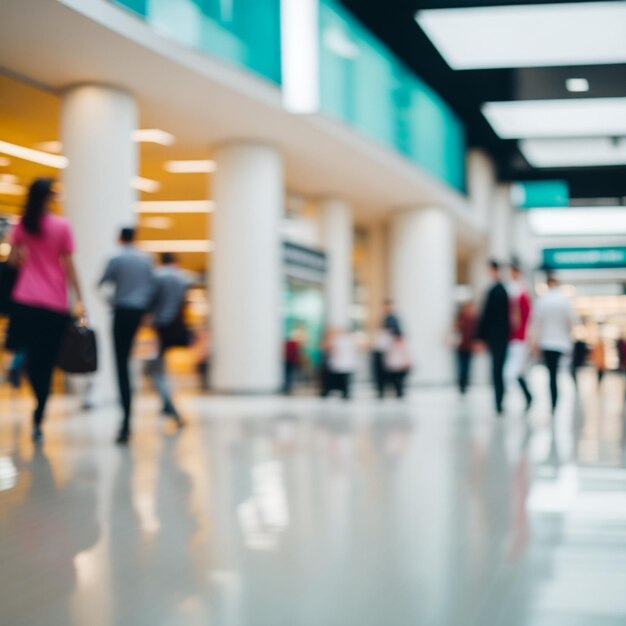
[(42, 247)]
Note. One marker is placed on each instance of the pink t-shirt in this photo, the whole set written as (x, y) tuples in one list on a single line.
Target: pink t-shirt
[(42, 278)]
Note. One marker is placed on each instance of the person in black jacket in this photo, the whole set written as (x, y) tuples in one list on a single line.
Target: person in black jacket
[(494, 330)]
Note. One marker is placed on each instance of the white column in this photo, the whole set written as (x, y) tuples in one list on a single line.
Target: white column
[(337, 233), (422, 276), (501, 225), (96, 127), (246, 275)]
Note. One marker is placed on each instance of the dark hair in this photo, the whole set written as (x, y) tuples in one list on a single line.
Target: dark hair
[(515, 264), (34, 209), (168, 258), (493, 264), (127, 234), (551, 278)]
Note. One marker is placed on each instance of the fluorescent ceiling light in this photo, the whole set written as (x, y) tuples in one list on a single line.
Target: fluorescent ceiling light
[(577, 85), (175, 206), (588, 33), (11, 189), (575, 117), (594, 151), (56, 147), (8, 178), (299, 21), (200, 166), (157, 222), (153, 135), (35, 156), (145, 184), (592, 221), (177, 245)]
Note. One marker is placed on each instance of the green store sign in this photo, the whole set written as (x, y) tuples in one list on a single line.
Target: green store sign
[(584, 258)]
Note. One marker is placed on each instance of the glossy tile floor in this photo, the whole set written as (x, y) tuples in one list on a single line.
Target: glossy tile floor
[(299, 512)]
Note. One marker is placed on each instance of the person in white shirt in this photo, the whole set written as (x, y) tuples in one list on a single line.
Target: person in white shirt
[(397, 362), (553, 323), (341, 363)]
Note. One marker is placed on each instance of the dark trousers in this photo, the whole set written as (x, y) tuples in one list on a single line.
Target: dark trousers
[(378, 372), (39, 332), (125, 325), (464, 363), (397, 381), (498, 358), (290, 376), (551, 359), (335, 381)]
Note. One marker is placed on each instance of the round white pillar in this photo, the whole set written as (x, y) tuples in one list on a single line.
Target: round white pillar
[(96, 127), (337, 227), (246, 277), (423, 276)]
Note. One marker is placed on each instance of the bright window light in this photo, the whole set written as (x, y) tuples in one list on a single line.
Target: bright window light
[(34, 156), (588, 33), (146, 185), (153, 135), (577, 85), (591, 221), (177, 245), (593, 151), (300, 55), (575, 117), (190, 167), (175, 206)]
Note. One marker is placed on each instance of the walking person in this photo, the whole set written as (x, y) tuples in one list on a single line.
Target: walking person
[(341, 364), (292, 360), (598, 358), (553, 323), (464, 331), (168, 309), (494, 330), (520, 310), (397, 362), (131, 273), (380, 344), (42, 247)]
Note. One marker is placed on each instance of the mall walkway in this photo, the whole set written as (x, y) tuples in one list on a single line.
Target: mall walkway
[(297, 512)]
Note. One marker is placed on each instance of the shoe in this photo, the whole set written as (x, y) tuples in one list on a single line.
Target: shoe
[(123, 438), (37, 435)]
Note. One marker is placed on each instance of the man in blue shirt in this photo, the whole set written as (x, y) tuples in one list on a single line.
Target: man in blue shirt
[(131, 273)]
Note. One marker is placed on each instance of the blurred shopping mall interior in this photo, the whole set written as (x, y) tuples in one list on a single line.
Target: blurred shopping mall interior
[(306, 161)]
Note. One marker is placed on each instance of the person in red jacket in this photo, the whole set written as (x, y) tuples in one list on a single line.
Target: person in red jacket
[(520, 309)]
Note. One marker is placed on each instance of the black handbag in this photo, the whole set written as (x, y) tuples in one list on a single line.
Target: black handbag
[(8, 276), (176, 334), (79, 349)]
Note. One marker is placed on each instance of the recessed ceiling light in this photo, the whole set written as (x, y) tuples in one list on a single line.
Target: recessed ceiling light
[(540, 35), (577, 85), (153, 135), (35, 156), (146, 185), (578, 221), (11, 189), (175, 206), (595, 151), (575, 117), (56, 147), (177, 245), (201, 166), (158, 222)]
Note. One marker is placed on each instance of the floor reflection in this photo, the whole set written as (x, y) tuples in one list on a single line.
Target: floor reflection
[(302, 513)]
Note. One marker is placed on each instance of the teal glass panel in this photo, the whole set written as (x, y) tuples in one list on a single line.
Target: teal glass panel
[(541, 194), (243, 32), (584, 258), (365, 85)]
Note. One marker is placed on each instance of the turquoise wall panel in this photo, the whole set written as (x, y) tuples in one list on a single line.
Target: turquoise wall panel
[(244, 32), (365, 85)]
